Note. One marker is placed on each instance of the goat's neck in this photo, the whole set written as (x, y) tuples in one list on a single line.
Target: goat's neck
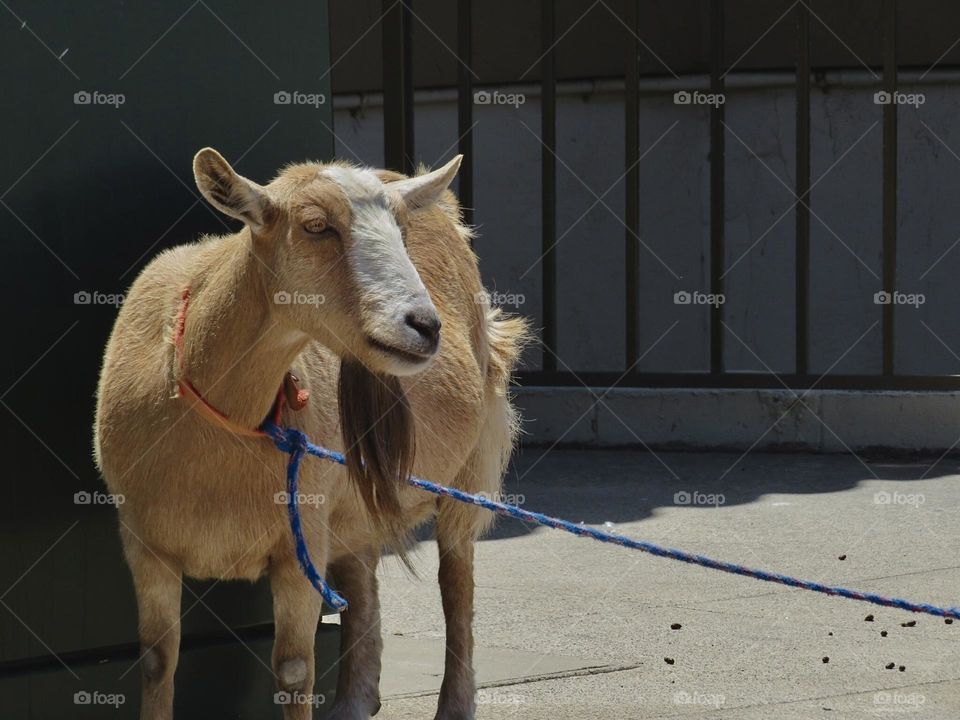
[(236, 350)]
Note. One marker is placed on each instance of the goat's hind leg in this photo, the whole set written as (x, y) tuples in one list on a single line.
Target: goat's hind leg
[(361, 645), (458, 527), (455, 536)]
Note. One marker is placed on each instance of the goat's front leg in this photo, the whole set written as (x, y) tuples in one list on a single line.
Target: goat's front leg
[(296, 612), (455, 544), (358, 680), (158, 588)]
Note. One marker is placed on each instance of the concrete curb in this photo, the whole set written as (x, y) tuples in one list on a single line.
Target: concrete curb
[(678, 418)]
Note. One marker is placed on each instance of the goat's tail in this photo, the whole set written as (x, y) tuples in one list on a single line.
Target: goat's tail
[(507, 336), (459, 523)]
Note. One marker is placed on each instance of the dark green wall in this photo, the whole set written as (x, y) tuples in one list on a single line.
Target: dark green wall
[(90, 192)]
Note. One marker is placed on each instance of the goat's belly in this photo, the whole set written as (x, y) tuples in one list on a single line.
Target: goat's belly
[(230, 566), (210, 528), (221, 550), (211, 545)]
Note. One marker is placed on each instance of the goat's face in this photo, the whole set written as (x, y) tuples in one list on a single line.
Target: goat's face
[(331, 242)]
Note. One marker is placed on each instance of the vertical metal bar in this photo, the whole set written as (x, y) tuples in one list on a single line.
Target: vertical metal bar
[(326, 86), (397, 86), (548, 172), (802, 190), (889, 179), (632, 184), (410, 154), (465, 106), (717, 200)]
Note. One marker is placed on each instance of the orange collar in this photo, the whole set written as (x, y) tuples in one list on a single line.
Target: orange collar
[(289, 392)]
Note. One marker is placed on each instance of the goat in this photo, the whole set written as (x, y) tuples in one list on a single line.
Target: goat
[(337, 286)]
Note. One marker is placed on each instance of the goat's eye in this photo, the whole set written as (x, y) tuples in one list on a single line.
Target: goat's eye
[(320, 229)]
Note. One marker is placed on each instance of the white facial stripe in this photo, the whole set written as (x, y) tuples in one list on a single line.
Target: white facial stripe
[(376, 252), (357, 183)]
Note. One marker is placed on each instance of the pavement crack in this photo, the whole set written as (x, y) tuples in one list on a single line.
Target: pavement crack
[(543, 677)]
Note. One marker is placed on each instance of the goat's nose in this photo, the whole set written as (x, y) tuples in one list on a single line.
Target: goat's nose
[(426, 322)]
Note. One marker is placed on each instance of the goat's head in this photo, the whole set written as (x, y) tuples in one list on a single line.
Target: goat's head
[(331, 240)]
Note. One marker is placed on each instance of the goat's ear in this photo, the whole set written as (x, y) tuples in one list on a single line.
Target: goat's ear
[(230, 193), (424, 190)]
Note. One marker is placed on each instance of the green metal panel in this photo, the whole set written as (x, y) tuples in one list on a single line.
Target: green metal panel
[(104, 104), (215, 679)]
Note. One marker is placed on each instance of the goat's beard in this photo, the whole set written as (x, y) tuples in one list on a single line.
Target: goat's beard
[(379, 441)]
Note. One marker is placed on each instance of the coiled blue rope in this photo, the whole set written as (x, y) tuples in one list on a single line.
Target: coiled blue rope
[(296, 444)]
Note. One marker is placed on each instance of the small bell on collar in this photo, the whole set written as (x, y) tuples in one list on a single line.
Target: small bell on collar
[(296, 396)]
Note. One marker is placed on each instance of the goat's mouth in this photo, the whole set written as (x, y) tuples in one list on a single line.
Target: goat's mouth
[(414, 358)]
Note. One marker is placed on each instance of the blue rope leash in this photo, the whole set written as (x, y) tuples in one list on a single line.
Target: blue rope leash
[(296, 444)]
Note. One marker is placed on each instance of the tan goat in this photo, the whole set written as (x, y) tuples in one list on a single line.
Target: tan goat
[(342, 277)]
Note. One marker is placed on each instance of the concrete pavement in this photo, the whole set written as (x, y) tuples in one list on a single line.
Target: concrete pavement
[(569, 628)]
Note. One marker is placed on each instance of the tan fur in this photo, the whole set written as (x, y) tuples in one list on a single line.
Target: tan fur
[(200, 501)]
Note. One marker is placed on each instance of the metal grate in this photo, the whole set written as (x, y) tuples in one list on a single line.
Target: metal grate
[(398, 108)]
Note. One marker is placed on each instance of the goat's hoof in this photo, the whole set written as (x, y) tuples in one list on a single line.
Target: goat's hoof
[(461, 713), (352, 711)]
